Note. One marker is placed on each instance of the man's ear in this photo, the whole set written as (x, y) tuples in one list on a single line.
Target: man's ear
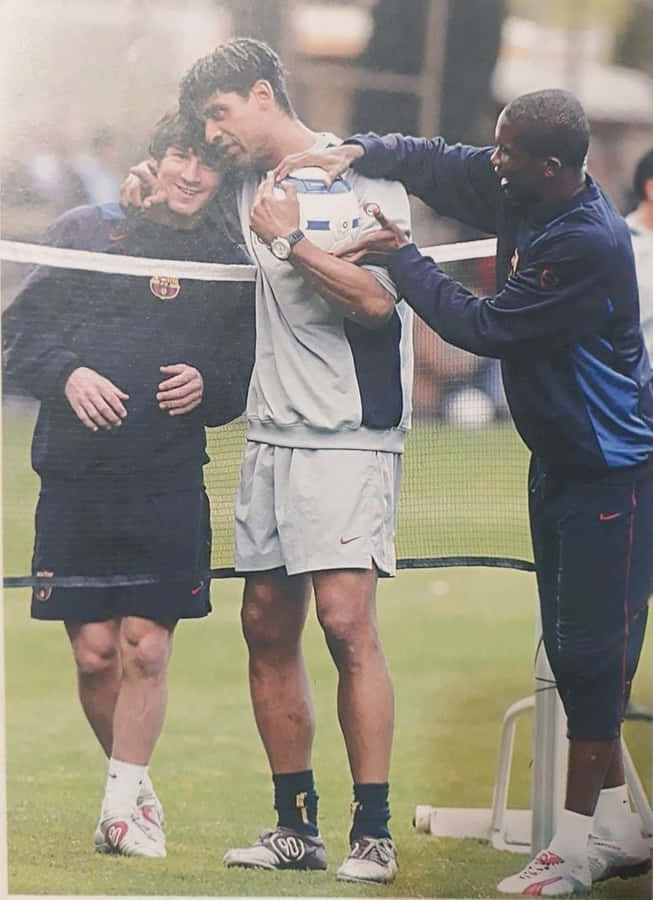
[(263, 93), (153, 165), (552, 165)]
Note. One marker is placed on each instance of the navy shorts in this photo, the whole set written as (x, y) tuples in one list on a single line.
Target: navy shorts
[(593, 547), (125, 530)]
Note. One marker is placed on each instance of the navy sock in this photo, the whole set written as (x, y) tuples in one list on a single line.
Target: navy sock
[(371, 811), (295, 801)]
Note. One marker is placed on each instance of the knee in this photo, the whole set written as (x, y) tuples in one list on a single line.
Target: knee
[(350, 637), (261, 630), (145, 649), (96, 657), (273, 619)]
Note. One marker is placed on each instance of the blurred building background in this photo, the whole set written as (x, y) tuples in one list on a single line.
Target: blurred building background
[(84, 80)]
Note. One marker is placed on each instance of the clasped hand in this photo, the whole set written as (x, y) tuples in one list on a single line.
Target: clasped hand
[(98, 402)]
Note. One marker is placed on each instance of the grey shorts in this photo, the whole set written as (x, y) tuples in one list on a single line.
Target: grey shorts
[(311, 510)]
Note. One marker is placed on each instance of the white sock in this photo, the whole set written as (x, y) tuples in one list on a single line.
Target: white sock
[(147, 787), (572, 833), (613, 813), (124, 781)]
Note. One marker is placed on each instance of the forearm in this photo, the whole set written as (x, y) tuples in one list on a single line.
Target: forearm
[(522, 319), (454, 180), (37, 354), (34, 360), (351, 290), (443, 304), (224, 399)]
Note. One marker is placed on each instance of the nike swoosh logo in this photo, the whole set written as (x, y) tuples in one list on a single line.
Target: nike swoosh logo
[(349, 540), (195, 591), (607, 517)]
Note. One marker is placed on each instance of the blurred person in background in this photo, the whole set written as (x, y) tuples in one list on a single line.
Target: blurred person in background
[(99, 168), (51, 175), (129, 371), (640, 223)]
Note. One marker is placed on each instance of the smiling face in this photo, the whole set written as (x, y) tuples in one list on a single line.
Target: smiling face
[(236, 125), (522, 176), (190, 181)]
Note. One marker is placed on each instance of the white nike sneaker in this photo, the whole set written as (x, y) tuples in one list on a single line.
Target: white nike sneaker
[(150, 816), (371, 861), (549, 875), (618, 858), (124, 835)]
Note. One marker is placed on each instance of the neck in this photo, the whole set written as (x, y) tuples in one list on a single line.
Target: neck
[(287, 135), (163, 215), (559, 194)]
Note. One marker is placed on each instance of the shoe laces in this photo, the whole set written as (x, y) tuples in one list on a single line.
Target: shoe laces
[(378, 850), (543, 862)]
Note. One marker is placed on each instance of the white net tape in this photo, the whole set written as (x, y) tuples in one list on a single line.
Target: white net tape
[(426, 536), (57, 257)]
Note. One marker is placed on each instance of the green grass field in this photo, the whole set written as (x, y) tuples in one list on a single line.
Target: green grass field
[(460, 645)]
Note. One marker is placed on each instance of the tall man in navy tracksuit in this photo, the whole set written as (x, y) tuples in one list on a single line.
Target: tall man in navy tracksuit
[(129, 370), (565, 323)]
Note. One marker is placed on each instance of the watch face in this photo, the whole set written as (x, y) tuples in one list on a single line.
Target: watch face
[(280, 247)]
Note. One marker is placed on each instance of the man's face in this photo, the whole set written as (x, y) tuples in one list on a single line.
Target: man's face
[(234, 124), (188, 179), (520, 174)]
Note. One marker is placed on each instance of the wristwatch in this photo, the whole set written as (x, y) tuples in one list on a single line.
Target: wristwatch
[(281, 246)]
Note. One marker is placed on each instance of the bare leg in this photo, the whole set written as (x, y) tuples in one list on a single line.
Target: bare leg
[(616, 774), (95, 648), (145, 648), (273, 616), (346, 609), (592, 765)]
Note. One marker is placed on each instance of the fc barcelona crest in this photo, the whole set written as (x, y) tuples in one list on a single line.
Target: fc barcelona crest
[(43, 592), (164, 288)]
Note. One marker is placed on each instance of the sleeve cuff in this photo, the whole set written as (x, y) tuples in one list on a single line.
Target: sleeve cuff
[(366, 165), (400, 260), (60, 379)]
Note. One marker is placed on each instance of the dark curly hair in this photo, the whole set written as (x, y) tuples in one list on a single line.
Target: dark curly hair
[(234, 66), (176, 129)]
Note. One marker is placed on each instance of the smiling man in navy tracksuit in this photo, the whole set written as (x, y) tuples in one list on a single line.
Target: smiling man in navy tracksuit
[(565, 323)]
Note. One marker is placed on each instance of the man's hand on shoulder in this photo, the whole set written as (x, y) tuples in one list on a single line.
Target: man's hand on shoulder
[(182, 391), (95, 400), (334, 160)]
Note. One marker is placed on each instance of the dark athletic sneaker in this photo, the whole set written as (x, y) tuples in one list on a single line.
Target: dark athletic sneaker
[(281, 848)]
